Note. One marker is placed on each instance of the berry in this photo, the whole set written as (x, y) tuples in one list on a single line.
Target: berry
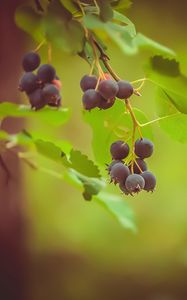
[(108, 88), (57, 83), (88, 82), (119, 172), (134, 183), (50, 94), (119, 150), (141, 163), (150, 181), (123, 188), (91, 99), (46, 73), (28, 82), (105, 104), (36, 100), (143, 148), (55, 102), (109, 167), (31, 61), (125, 89)]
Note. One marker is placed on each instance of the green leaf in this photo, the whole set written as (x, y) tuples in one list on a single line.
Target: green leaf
[(110, 125), (83, 165), (49, 150), (121, 5), (69, 5), (118, 208), (106, 11), (47, 114), (174, 123), (28, 20), (166, 74), (124, 36), (123, 19)]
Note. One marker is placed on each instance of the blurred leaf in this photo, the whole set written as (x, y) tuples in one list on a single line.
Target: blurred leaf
[(106, 11), (69, 5), (121, 5), (124, 36), (49, 150), (106, 128), (47, 114), (83, 165), (117, 206), (28, 20), (126, 21), (166, 74), (176, 123)]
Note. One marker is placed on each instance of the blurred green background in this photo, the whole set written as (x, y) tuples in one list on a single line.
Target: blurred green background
[(78, 251)]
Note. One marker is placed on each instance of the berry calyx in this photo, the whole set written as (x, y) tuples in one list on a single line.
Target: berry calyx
[(150, 181), (108, 88), (46, 73), (31, 61), (119, 173), (119, 150), (134, 183), (50, 94), (88, 82), (125, 89), (91, 99), (143, 148)]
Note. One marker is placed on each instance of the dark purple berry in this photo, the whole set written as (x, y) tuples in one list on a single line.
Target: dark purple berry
[(142, 166), (119, 150), (150, 181), (31, 61), (125, 89), (109, 167), (28, 83), (143, 148), (119, 173), (50, 94), (123, 188), (36, 99), (90, 99), (105, 104), (88, 82), (134, 183), (46, 73), (56, 102), (108, 88)]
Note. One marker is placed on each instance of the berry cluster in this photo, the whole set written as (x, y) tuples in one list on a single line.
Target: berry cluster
[(132, 176), (42, 88), (102, 92)]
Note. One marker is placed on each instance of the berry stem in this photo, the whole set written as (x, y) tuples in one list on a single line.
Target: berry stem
[(158, 119), (49, 53), (39, 46), (81, 7)]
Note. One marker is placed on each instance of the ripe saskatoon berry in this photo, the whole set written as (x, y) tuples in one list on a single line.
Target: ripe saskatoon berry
[(119, 150), (50, 94), (88, 82), (105, 104), (119, 173), (56, 102), (123, 188), (36, 100), (28, 82), (90, 99), (31, 61), (108, 88), (134, 183), (46, 73), (150, 181), (109, 167), (143, 148), (141, 163), (125, 89)]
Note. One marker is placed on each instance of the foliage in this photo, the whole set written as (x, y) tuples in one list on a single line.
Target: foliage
[(71, 26)]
